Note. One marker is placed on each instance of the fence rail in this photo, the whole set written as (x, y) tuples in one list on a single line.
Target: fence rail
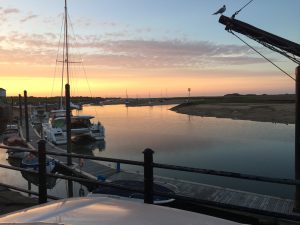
[(167, 166), (148, 190)]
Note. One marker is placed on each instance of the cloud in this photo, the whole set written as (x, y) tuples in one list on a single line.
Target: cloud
[(10, 11), (6, 12), (83, 22), (169, 54), (135, 54), (28, 18)]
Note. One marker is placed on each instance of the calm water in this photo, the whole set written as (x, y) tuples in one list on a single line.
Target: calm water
[(265, 149)]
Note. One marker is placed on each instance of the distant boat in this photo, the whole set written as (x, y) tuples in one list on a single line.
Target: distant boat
[(10, 137), (75, 106), (16, 141), (31, 162), (11, 130)]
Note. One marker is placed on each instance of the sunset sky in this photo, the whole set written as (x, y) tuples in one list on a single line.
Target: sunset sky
[(157, 48)]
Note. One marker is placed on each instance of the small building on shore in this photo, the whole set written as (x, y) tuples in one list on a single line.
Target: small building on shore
[(2, 93)]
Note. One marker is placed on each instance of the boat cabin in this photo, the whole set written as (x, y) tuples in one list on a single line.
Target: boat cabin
[(81, 122)]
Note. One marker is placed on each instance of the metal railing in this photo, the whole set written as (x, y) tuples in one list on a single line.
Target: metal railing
[(148, 189)]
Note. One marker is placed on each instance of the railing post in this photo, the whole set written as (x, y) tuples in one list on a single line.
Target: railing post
[(69, 150), (42, 172), (26, 116), (297, 141), (118, 167), (20, 109), (68, 121), (148, 176)]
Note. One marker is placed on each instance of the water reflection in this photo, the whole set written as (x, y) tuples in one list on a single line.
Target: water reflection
[(257, 148), (30, 177), (89, 149)]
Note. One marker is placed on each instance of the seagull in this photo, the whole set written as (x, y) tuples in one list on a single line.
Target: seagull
[(221, 10)]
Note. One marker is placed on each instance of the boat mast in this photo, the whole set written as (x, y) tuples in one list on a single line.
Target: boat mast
[(68, 110), (65, 55), (67, 92), (66, 41)]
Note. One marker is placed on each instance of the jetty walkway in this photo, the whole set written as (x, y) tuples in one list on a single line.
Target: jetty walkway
[(219, 196)]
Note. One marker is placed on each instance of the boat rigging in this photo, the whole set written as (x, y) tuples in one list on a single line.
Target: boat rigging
[(62, 125), (289, 49)]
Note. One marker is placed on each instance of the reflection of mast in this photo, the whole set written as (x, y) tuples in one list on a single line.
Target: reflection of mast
[(150, 100), (126, 100)]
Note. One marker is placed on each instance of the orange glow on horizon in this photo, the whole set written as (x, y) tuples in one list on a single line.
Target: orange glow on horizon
[(143, 85)]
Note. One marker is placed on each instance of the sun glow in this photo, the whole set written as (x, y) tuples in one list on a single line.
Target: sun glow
[(146, 57)]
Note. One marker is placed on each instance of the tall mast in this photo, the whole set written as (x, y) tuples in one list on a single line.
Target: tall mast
[(68, 110), (65, 55), (66, 41)]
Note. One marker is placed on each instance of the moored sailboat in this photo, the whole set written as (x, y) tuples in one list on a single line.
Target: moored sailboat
[(81, 127)]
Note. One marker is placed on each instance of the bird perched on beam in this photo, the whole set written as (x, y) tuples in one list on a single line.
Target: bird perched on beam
[(221, 10)]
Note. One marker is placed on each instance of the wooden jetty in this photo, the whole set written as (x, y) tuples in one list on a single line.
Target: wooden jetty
[(224, 197)]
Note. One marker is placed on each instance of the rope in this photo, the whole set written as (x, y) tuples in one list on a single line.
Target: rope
[(80, 57), (57, 54), (237, 12), (262, 55), (82, 63)]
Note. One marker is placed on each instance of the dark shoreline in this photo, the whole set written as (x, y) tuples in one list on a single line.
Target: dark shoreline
[(261, 108), (275, 113)]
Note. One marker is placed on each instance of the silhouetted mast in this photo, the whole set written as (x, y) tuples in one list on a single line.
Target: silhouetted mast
[(66, 41), (290, 50), (283, 46)]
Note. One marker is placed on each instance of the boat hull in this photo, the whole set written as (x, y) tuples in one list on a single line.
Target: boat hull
[(109, 210)]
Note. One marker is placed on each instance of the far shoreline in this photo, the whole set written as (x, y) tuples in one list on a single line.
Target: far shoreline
[(260, 108), (275, 113)]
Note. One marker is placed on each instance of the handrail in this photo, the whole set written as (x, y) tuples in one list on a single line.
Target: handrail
[(148, 179), (228, 174), (168, 166)]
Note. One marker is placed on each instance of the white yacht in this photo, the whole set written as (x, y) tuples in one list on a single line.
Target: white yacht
[(82, 129), (83, 125), (55, 130), (39, 115)]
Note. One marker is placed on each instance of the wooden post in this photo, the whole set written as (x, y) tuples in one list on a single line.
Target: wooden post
[(20, 110), (68, 120), (42, 172), (46, 104), (12, 102), (29, 188), (148, 176), (297, 141), (69, 150), (118, 167), (26, 117)]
